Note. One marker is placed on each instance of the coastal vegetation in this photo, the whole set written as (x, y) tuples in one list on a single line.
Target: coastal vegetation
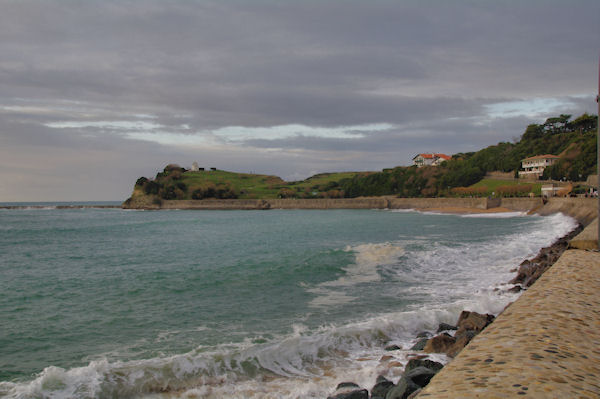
[(574, 141)]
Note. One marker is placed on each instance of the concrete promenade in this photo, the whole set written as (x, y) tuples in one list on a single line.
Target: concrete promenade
[(544, 345)]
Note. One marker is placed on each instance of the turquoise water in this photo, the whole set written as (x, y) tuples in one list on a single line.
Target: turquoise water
[(114, 303)]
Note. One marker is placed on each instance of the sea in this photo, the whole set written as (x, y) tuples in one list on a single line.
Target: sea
[(113, 303)]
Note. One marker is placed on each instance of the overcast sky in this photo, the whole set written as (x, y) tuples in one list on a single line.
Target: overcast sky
[(94, 94)]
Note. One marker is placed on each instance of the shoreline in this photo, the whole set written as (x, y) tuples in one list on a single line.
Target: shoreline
[(420, 368)]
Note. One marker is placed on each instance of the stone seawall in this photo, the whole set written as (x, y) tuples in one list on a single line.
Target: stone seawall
[(544, 345), (582, 209)]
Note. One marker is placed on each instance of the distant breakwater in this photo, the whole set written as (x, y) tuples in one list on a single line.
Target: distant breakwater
[(60, 206), (582, 209), (338, 203)]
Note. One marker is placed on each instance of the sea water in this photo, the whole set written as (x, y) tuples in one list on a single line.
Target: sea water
[(109, 303)]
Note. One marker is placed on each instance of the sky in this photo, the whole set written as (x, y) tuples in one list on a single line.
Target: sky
[(94, 94)]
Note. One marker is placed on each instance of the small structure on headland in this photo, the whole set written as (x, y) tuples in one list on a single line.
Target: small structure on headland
[(195, 167), (430, 159), (534, 166)]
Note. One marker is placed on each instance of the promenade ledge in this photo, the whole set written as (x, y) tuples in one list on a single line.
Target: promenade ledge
[(544, 345)]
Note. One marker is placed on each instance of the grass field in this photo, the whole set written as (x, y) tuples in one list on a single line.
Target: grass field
[(250, 186)]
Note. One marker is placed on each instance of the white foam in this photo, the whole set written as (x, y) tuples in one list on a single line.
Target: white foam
[(368, 257)]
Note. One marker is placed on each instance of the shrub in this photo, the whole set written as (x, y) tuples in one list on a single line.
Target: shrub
[(152, 188), (286, 193), (469, 191), (514, 190), (141, 181)]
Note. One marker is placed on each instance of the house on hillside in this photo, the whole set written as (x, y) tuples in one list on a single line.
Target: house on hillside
[(430, 159), (534, 166)]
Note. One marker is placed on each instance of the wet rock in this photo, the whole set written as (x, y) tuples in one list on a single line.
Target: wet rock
[(343, 385), (461, 341), (414, 394), (420, 345), (427, 363), (420, 376), (356, 394), (446, 327), (393, 348), (439, 344), (473, 321), (381, 388), (424, 334), (516, 289), (401, 391)]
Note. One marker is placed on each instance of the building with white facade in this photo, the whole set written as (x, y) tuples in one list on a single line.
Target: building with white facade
[(430, 159), (533, 167)]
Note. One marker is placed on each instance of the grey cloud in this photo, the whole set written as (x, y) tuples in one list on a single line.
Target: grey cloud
[(429, 68)]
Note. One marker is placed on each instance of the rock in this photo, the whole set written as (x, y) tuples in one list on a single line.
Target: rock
[(393, 348), (343, 385), (356, 394), (414, 394), (439, 344), (424, 334), (516, 289), (473, 321), (419, 345), (420, 376), (381, 388), (446, 327), (430, 364), (461, 341), (401, 391)]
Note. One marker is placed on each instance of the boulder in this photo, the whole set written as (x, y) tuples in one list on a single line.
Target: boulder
[(381, 388), (461, 341), (401, 391), (356, 394), (393, 347), (430, 364), (420, 376), (439, 344), (446, 327), (419, 345), (473, 321), (343, 385), (414, 394)]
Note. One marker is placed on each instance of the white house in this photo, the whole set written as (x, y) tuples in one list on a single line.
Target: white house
[(430, 159), (195, 167), (534, 166)]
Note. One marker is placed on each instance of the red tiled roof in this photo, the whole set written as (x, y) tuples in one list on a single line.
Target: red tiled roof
[(431, 156)]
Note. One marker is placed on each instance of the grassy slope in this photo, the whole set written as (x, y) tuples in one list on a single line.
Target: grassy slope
[(258, 186), (493, 184)]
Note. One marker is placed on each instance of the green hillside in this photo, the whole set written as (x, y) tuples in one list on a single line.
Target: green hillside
[(573, 140), (176, 183)]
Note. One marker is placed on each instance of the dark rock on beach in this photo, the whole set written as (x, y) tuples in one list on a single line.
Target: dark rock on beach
[(420, 345), (427, 363), (343, 385), (401, 391), (349, 390), (356, 394), (439, 344), (390, 348), (381, 387), (473, 321), (446, 327), (531, 269)]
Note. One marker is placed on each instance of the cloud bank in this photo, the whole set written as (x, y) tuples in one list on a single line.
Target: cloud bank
[(96, 94)]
